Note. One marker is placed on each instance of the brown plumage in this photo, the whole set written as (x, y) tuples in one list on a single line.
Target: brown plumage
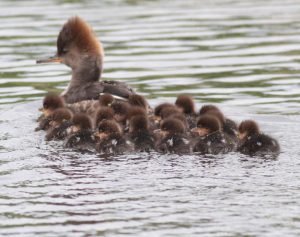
[(76, 32), (207, 108), (138, 100), (53, 101), (136, 110), (169, 111), (249, 126), (254, 143), (78, 48), (186, 104), (83, 121), (209, 122), (172, 126), (158, 109), (104, 113), (106, 99)]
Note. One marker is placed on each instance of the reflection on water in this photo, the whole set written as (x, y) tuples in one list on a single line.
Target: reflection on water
[(243, 55)]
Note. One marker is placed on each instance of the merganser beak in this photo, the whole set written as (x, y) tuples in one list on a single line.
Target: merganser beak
[(53, 59)]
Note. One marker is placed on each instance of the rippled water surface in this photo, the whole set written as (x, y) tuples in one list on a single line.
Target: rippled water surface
[(242, 55)]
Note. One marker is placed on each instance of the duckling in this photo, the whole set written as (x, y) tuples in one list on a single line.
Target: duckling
[(60, 121), (81, 135), (209, 138), (106, 100), (79, 49), (110, 139), (172, 138), (155, 118), (121, 111), (139, 133), (102, 114), (169, 111), (51, 102), (229, 126), (187, 106), (254, 143), (138, 100)]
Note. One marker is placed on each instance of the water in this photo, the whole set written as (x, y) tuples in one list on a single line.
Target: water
[(241, 55)]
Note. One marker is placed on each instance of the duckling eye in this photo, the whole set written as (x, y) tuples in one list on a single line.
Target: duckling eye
[(64, 51)]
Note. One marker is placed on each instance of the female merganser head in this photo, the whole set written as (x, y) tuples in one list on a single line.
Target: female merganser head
[(186, 104), (79, 49), (206, 124), (51, 102), (253, 142)]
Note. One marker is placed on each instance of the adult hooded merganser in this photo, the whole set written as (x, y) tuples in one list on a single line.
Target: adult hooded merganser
[(60, 121), (209, 138), (110, 139), (252, 142), (78, 48), (186, 104), (81, 135), (172, 137), (51, 102), (139, 133)]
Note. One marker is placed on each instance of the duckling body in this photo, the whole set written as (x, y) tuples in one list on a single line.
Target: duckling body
[(209, 138), (173, 138), (254, 143), (81, 135)]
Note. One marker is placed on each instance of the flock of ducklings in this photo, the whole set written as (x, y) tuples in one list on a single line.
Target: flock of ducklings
[(114, 126)]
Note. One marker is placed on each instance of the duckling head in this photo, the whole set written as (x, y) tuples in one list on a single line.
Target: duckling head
[(186, 104), (206, 124), (247, 128), (51, 102)]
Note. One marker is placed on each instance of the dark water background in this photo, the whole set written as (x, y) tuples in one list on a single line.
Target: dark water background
[(242, 55)]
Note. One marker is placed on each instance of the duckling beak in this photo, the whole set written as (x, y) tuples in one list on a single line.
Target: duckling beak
[(199, 132), (241, 136), (54, 59), (101, 135)]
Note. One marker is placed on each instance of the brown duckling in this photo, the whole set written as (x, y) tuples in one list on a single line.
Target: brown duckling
[(254, 143), (51, 102), (60, 121), (121, 111), (110, 139), (102, 114), (140, 134), (138, 100), (209, 138), (172, 138), (229, 126), (81, 135), (156, 117), (79, 49), (187, 106)]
